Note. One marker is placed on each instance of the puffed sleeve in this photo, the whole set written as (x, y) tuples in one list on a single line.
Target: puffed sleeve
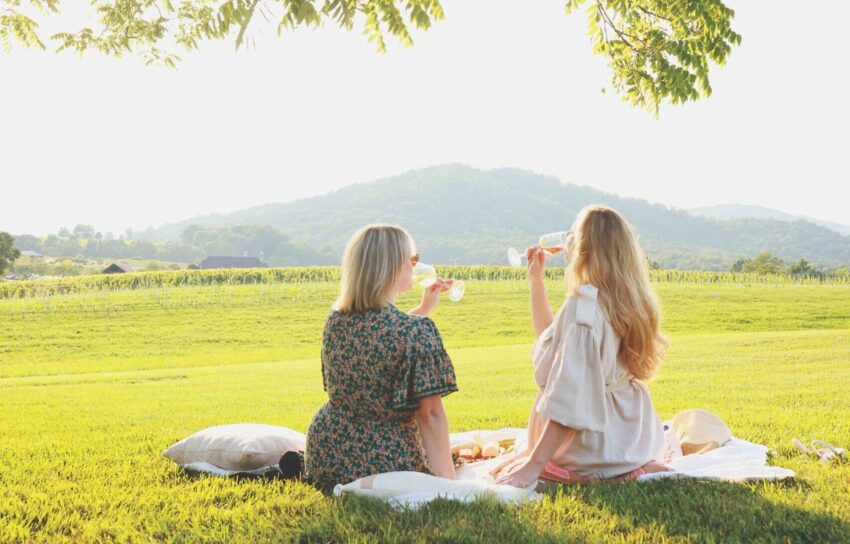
[(574, 394), (426, 369)]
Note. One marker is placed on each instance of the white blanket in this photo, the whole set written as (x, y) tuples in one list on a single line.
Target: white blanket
[(737, 460), (413, 489)]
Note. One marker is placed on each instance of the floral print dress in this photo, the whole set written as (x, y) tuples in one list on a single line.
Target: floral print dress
[(376, 366)]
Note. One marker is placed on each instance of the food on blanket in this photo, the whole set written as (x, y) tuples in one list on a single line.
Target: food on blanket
[(457, 460), (469, 454), (508, 445), (490, 449), (477, 450)]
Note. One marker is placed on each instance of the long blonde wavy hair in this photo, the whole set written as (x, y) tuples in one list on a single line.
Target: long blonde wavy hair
[(606, 254), (371, 265)]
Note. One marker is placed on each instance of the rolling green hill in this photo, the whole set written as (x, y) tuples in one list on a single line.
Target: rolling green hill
[(459, 214), (739, 211)]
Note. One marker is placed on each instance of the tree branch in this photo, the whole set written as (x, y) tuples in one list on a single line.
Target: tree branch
[(619, 32)]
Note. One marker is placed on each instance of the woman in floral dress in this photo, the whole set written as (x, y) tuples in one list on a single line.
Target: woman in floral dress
[(385, 371)]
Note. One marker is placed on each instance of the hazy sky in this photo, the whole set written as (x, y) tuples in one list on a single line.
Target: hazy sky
[(115, 144)]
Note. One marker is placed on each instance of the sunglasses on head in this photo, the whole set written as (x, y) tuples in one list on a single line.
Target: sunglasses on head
[(414, 259)]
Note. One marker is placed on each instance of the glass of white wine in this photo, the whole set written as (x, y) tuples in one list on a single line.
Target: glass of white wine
[(550, 243), (456, 290), (426, 276)]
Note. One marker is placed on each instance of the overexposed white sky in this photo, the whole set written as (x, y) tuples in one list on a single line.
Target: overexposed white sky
[(115, 144)]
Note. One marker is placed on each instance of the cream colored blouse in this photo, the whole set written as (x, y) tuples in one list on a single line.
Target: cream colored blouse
[(584, 386)]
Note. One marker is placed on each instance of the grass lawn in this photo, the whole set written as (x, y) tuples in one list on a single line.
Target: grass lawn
[(93, 386)]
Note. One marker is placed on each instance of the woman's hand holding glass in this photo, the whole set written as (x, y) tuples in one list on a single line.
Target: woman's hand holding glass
[(426, 275), (549, 244), (431, 296), (536, 263)]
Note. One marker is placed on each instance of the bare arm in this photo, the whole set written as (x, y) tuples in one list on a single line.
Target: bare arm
[(541, 312), (528, 472), (431, 297), (552, 438), (434, 429)]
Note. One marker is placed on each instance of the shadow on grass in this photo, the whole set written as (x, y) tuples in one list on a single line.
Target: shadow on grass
[(714, 511), (356, 519), (689, 511), (647, 512)]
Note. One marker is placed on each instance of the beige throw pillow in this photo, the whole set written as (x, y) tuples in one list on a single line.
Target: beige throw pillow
[(244, 446)]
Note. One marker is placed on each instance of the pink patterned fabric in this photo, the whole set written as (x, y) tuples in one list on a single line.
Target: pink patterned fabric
[(561, 475)]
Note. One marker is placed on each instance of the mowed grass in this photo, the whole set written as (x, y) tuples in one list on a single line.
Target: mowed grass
[(94, 386), (235, 324)]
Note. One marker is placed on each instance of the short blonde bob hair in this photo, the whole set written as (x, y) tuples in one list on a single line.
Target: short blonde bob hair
[(371, 265)]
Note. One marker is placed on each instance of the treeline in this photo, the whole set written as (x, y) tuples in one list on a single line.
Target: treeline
[(276, 248), (264, 242), (767, 263), (25, 267), (462, 215)]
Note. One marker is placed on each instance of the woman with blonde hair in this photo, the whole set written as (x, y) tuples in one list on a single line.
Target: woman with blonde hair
[(384, 370), (593, 419)]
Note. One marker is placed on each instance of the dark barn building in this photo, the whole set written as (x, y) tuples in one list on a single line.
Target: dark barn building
[(113, 269)]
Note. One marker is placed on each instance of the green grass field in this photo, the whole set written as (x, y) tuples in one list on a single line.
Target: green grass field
[(95, 384)]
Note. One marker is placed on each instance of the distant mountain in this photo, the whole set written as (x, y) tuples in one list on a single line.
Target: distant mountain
[(740, 211), (459, 214)]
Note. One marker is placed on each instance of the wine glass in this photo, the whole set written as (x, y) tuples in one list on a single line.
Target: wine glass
[(456, 290), (426, 275), (514, 257), (550, 243), (554, 241)]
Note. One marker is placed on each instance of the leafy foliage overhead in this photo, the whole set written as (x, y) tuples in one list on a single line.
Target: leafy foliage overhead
[(660, 49), (656, 49)]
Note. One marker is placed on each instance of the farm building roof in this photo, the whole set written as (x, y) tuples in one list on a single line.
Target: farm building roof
[(114, 269)]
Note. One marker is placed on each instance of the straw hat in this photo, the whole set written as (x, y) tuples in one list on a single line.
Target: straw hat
[(700, 431)]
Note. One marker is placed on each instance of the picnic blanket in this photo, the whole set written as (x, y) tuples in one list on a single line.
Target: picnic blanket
[(414, 489), (735, 461)]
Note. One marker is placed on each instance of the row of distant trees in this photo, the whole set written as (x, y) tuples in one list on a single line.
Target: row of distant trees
[(264, 242), (767, 263), (267, 243), (8, 252)]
